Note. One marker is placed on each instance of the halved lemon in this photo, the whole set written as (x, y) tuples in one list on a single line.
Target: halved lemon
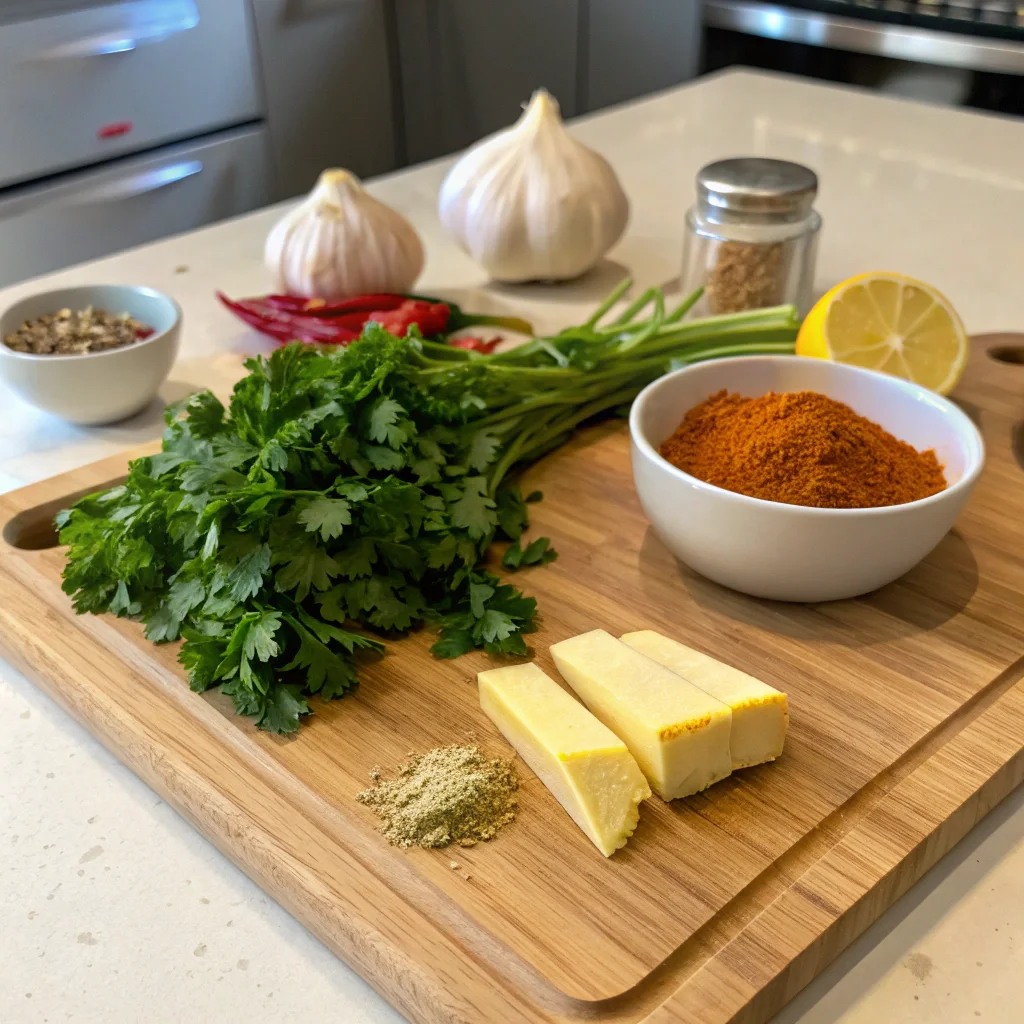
[(890, 323)]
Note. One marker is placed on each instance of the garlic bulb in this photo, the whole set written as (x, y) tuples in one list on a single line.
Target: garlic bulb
[(341, 242), (532, 203)]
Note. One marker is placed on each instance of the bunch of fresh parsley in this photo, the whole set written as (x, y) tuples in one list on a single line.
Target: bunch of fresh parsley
[(355, 488)]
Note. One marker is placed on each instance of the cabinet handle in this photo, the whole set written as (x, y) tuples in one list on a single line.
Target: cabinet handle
[(143, 30), (134, 185)]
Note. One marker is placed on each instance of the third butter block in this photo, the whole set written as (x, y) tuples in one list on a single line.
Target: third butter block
[(760, 714), (678, 733)]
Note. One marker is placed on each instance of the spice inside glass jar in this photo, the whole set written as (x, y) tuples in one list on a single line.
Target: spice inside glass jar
[(752, 236)]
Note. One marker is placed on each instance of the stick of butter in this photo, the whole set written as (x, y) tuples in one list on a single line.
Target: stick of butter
[(678, 733), (585, 765), (760, 713)]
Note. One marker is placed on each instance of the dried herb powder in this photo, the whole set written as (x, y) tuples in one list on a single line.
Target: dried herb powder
[(447, 795), (748, 275)]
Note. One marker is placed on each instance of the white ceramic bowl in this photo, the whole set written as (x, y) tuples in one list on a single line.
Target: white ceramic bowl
[(96, 387), (789, 552)]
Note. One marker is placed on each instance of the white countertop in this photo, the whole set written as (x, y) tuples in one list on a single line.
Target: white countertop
[(115, 910)]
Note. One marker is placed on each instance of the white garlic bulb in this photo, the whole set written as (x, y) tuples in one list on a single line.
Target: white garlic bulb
[(532, 203), (340, 242)]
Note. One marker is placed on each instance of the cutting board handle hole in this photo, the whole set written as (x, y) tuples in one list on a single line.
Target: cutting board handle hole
[(1008, 354), (32, 529)]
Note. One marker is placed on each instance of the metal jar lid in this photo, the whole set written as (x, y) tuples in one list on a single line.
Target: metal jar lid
[(756, 188)]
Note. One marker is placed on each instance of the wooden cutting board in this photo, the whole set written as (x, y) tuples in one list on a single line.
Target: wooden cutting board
[(907, 726)]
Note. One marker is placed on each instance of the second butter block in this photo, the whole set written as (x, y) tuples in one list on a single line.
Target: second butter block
[(678, 733)]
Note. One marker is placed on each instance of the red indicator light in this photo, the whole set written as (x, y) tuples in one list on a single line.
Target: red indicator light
[(114, 129)]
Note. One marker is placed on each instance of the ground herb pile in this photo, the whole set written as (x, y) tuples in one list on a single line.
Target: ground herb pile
[(447, 795), (346, 495)]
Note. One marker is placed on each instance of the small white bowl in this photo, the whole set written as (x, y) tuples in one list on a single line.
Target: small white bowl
[(791, 552), (95, 387)]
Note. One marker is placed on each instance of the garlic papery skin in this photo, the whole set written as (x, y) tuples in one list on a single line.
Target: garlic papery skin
[(341, 242), (531, 203)]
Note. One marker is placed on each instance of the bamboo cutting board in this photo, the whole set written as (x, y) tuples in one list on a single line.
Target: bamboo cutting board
[(907, 726)]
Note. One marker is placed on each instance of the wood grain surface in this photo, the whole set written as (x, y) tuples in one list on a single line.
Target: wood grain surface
[(907, 725)]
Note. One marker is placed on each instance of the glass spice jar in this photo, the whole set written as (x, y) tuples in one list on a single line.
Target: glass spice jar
[(752, 236)]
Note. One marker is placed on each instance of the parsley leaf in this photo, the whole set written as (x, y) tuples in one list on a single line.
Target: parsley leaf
[(245, 580), (327, 673), (474, 511), (478, 595), (386, 425), (305, 566), (381, 457), (512, 515), (496, 625), (259, 639), (483, 451), (453, 643), (282, 709), (328, 515), (538, 552)]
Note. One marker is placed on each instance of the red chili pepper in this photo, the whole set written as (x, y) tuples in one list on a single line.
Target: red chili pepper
[(289, 327), (486, 346), (260, 315), (351, 321), (430, 317), (322, 308)]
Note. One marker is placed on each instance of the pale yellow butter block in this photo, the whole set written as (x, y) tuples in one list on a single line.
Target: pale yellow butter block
[(585, 765), (678, 733), (760, 713)]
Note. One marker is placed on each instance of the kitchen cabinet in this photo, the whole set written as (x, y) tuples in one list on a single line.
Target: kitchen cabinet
[(327, 87)]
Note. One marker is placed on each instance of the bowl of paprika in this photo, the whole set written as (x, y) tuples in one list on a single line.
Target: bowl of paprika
[(798, 479)]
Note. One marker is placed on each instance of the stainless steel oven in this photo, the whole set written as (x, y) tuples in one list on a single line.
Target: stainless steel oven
[(961, 51), (133, 120)]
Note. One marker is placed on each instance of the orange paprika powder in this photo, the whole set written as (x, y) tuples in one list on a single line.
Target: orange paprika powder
[(800, 448)]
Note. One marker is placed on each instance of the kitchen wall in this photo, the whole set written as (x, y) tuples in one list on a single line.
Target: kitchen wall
[(466, 66), (328, 88), (629, 49)]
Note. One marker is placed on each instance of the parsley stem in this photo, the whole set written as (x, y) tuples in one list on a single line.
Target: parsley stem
[(616, 293), (633, 308), (684, 307)]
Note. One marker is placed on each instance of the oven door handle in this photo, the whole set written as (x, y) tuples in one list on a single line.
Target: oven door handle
[(77, 197), (134, 185)]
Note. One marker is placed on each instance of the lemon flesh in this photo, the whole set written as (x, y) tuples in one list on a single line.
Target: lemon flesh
[(890, 323)]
